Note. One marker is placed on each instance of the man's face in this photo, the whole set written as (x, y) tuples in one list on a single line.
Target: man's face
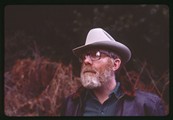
[(96, 73)]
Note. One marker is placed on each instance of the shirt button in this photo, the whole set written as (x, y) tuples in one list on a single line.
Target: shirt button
[(102, 112)]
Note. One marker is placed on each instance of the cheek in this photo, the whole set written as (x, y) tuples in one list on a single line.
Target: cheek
[(106, 67), (101, 70)]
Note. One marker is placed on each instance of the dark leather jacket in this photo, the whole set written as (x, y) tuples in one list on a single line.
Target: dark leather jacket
[(142, 104)]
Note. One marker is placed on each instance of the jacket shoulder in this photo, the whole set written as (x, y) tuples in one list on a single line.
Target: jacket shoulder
[(143, 96), (151, 103)]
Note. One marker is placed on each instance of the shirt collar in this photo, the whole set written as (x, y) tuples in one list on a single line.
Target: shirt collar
[(116, 91)]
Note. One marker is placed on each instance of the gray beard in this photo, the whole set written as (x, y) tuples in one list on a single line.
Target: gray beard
[(90, 80)]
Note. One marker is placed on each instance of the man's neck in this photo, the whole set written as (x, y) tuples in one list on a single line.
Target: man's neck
[(102, 93)]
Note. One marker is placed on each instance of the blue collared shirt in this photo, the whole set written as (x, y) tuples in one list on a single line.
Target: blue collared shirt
[(94, 108)]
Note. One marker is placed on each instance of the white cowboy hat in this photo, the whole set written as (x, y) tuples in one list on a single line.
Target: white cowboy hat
[(98, 38)]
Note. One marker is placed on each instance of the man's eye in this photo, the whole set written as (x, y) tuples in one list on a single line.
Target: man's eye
[(97, 53)]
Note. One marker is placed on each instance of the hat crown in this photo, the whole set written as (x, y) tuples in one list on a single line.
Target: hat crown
[(98, 35)]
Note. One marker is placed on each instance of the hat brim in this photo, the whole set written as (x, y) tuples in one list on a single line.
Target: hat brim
[(114, 46)]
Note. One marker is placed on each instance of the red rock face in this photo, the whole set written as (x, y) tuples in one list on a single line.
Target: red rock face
[(37, 87)]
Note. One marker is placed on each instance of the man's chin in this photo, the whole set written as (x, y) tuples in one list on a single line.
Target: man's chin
[(92, 83), (91, 86)]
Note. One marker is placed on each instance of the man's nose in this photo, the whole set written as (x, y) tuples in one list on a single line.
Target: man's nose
[(87, 60)]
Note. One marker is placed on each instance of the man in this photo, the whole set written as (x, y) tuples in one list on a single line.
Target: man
[(102, 94)]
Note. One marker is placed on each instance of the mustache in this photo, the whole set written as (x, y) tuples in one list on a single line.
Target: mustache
[(88, 69)]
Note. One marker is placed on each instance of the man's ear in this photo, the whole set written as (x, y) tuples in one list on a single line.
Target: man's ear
[(117, 63)]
